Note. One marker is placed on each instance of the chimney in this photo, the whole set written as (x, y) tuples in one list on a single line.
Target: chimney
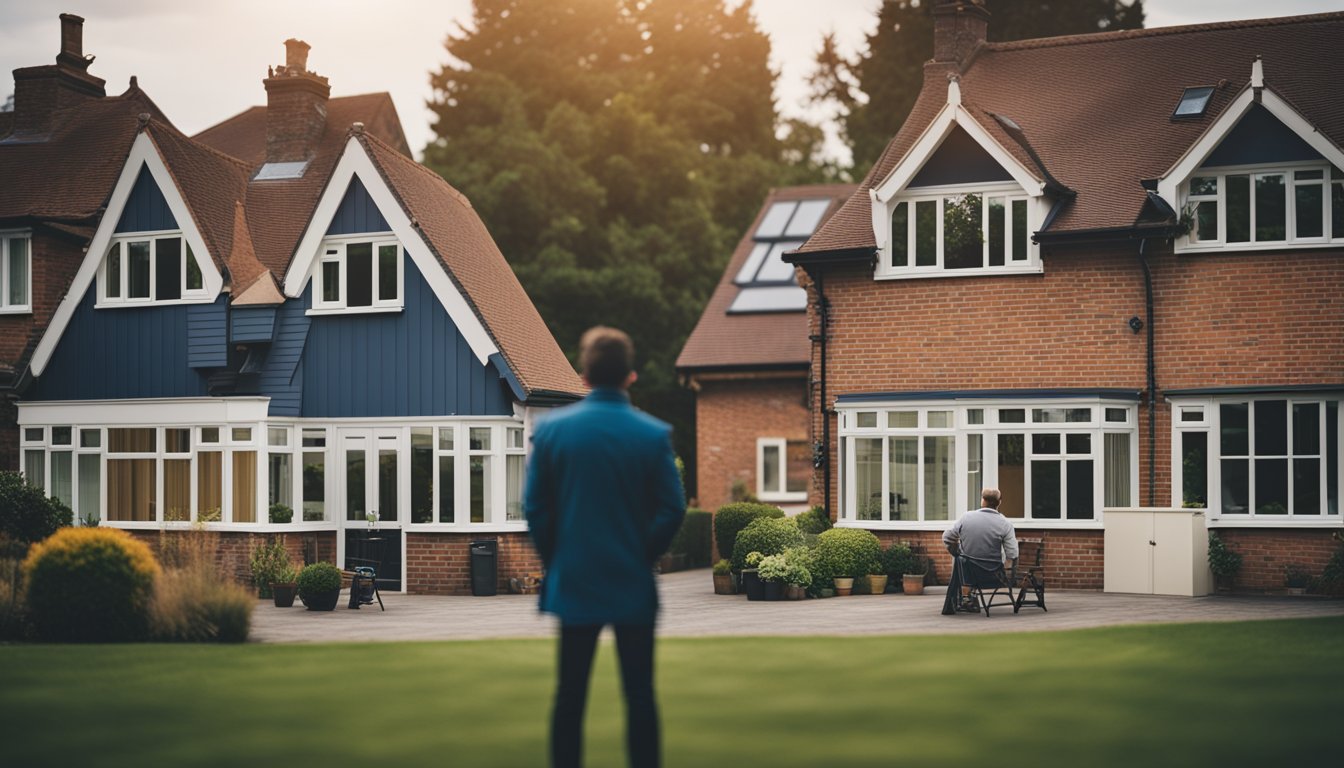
[(296, 107), (40, 91), (959, 28)]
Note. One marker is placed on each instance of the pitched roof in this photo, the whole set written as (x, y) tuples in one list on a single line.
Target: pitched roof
[(244, 135), (1101, 131), (746, 340), (458, 237)]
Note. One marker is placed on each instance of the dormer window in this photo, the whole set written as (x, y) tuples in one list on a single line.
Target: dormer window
[(939, 231), (1263, 207), (16, 270), (358, 274), (141, 269)]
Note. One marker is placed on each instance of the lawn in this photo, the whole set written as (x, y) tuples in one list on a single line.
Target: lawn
[(1256, 693)]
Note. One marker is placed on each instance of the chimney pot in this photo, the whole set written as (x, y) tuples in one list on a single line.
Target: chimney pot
[(959, 28), (296, 107), (296, 56), (72, 36)]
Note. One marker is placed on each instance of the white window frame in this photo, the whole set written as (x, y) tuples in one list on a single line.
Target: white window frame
[(1009, 191), (1211, 425), (780, 493), (333, 250), (6, 253), (1188, 243), (119, 243), (990, 427)]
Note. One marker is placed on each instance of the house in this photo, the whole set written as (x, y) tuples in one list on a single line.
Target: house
[(1095, 271), (285, 312), (747, 361)]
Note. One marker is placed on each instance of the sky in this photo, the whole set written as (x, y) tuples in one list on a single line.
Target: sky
[(204, 62)]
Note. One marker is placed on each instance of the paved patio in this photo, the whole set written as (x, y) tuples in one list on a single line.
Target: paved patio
[(690, 609)]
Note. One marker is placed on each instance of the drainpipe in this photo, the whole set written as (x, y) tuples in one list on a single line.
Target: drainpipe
[(1152, 374), (822, 460)]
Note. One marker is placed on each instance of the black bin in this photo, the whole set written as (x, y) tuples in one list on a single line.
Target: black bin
[(484, 567)]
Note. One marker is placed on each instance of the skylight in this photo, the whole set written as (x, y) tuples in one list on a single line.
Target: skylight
[(281, 171), (784, 298), (767, 282), (1193, 102)]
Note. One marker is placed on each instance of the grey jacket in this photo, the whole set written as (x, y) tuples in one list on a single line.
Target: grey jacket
[(985, 536)]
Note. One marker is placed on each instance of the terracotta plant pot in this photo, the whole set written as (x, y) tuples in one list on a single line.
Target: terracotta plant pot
[(752, 584), (794, 592), (283, 594), (877, 583), (843, 586), (723, 584), (913, 583)]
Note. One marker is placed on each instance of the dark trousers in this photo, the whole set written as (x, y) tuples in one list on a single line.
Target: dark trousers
[(634, 647)]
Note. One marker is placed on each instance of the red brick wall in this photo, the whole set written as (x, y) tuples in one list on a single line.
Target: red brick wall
[(233, 549), (439, 563), (729, 416), (1073, 559), (1266, 552)]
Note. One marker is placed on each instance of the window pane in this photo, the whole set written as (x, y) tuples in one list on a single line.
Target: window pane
[(60, 435), (1238, 208), (514, 437), (209, 434), (1045, 443), (314, 438), (445, 438), (1019, 230), (1206, 221), (904, 479), (513, 485), (1045, 501), (177, 489), (422, 475), (359, 274), (480, 439), (209, 485), (132, 440), (1236, 486), (1310, 213), (1077, 443), (1195, 468), (242, 434), (1080, 501), (1117, 415), (774, 268), (481, 483), (867, 419), (753, 263), (975, 416), (244, 486), (807, 217), (1306, 485), (903, 419), (1306, 429), (1115, 469), (926, 233), (1235, 431), (769, 481), (1012, 415), (1271, 428), (1271, 486), (1337, 206), (314, 485), (1192, 414), (963, 241), (90, 485), (1061, 415), (177, 440), (447, 489), (388, 508), (194, 279), (18, 272), (387, 273), (277, 436), (798, 466), (34, 434), (1204, 186), (113, 272), (90, 438), (937, 476), (772, 225), (1012, 463), (868, 478), (280, 479), (355, 504), (1332, 458), (35, 468), (996, 238), (131, 485), (168, 269), (900, 235), (137, 270), (975, 476), (60, 477), (331, 281), (1271, 213), (940, 419)]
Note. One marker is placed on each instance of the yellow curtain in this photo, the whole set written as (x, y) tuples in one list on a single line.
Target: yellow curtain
[(209, 485), (177, 489), (130, 489), (244, 486)]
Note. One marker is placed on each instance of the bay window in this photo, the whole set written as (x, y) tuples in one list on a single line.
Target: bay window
[(1264, 206)]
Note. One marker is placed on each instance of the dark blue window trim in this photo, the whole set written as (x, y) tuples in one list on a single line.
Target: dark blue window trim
[(991, 394)]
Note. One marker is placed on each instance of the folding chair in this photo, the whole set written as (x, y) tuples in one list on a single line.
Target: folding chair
[(1030, 574), (983, 586)]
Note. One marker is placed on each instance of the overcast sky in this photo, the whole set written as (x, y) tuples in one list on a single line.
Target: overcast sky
[(203, 62)]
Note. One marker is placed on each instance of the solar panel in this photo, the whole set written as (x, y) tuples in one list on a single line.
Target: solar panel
[(775, 219), (753, 263), (774, 269), (786, 298), (805, 221)]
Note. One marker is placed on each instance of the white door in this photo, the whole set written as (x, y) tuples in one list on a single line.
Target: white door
[(370, 468)]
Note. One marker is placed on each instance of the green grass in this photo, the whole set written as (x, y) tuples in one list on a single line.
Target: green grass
[(1258, 693)]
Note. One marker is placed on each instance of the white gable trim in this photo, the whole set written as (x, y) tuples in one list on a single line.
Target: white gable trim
[(143, 153), (354, 163), (1168, 186)]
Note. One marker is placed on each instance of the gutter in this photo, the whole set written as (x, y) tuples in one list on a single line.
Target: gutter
[(1143, 231), (861, 254)]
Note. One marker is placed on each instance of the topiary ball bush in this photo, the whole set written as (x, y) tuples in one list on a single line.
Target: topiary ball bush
[(318, 579), (814, 520), (26, 514), (90, 585), (730, 519), (845, 553), (767, 535)]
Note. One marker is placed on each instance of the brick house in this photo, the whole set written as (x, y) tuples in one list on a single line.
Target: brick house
[(747, 361), (285, 309), (1094, 271)]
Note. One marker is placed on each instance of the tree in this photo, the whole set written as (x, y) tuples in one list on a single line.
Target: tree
[(616, 149), (876, 90)]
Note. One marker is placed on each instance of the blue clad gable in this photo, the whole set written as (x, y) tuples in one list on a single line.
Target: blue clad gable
[(146, 209), (357, 213), (1260, 137)]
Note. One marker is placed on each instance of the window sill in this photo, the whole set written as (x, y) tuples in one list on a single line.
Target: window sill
[(507, 527), (1257, 247), (142, 303), (922, 274), (320, 311), (783, 497), (16, 310), (942, 525), (1287, 521)]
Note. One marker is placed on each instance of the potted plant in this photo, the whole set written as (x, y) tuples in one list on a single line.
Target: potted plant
[(267, 561), (798, 576), (320, 586), (843, 554), (877, 583), (281, 513), (284, 587), (723, 578), (912, 582), (1223, 562), (1296, 579), (751, 580), (772, 571)]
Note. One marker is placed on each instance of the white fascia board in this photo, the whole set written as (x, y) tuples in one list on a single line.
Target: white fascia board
[(143, 153), (146, 411), (354, 163)]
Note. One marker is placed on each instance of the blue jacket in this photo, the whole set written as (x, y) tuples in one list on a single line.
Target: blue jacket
[(603, 502)]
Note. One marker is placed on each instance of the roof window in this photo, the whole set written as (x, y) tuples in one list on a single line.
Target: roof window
[(1194, 102), (767, 281)]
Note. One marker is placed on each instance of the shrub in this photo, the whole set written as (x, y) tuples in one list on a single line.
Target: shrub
[(1225, 563), (26, 514), (722, 567), (1296, 577), (773, 568), (814, 520), (195, 605), (281, 513), (732, 518), (1331, 580), (317, 579), (90, 585), (767, 535), (788, 567), (694, 539), (269, 561), (11, 595), (899, 560), (845, 553)]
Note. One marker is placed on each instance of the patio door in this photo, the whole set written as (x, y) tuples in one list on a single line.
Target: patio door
[(370, 471)]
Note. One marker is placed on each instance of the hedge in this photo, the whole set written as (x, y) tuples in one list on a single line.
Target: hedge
[(732, 518), (767, 535), (27, 515), (814, 520), (694, 539)]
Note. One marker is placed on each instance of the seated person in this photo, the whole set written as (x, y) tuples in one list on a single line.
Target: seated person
[(982, 539)]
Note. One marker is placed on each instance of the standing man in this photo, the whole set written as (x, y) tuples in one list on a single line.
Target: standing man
[(984, 540), (603, 502)]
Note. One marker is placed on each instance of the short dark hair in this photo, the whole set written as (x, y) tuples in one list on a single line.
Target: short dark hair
[(991, 497), (606, 355)]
